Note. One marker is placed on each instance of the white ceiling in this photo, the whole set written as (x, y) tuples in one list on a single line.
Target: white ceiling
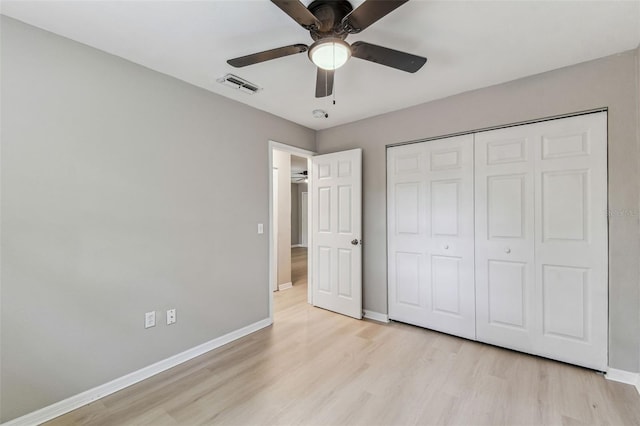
[(469, 45)]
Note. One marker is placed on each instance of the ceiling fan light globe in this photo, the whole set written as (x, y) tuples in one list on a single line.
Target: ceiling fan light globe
[(330, 54)]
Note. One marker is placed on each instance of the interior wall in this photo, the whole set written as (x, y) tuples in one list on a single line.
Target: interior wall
[(295, 214), (608, 82), (302, 187), (123, 191), (282, 161)]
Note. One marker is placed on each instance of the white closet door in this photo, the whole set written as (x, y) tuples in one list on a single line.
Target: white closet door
[(430, 226), (504, 237), (541, 239), (571, 240)]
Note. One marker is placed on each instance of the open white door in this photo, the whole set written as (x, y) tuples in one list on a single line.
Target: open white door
[(337, 232)]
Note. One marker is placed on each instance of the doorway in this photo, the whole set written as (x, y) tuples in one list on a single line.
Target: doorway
[(289, 258), (299, 220)]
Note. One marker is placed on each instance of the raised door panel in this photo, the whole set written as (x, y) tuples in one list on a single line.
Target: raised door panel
[(506, 206), (407, 279), (562, 320), (445, 158), (324, 209), (507, 295), (505, 151), (565, 216), (445, 211), (345, 213), (323, 266), (407, 208), (446, 285), (345, 273)]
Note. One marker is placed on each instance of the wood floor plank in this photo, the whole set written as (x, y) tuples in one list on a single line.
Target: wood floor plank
[(314, 367)]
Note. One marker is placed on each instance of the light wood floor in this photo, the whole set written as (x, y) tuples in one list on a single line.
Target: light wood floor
[(314, 367)]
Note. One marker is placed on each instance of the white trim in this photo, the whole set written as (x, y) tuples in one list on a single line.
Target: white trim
[(300, 152), (285, 286), (62, 407), (296, 245), (376, 316), (623, 376)]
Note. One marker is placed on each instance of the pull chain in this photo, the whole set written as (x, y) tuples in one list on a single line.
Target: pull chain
[(333, 92)]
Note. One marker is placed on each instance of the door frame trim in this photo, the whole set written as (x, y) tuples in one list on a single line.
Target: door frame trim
[(500, 126), (299, 152)]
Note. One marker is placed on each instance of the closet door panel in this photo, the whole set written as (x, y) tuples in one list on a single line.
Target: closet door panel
[(407, 232), (430, 235), (571, 247), (504, 237), (450, 279), (541, 239)]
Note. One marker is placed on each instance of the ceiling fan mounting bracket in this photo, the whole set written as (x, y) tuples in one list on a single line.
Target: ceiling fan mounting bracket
[(330, 15)]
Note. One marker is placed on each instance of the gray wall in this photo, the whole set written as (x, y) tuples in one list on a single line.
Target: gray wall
[(302, 187), (123, 191), (282, 162), (295, 214), (609, 82)]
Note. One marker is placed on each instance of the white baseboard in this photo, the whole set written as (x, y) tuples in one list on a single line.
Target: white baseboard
[(62, 407), (296, 245), (285, 286), (622, 376), (376, 316)]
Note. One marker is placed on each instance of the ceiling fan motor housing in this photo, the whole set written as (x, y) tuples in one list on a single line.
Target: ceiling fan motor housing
[(330, 15)]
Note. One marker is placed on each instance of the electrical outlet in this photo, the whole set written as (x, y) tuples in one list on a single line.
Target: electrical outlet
[(260, 228), (150, 319), (171, 316)]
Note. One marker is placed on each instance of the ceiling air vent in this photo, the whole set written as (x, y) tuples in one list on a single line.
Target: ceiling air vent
[(238, 83)]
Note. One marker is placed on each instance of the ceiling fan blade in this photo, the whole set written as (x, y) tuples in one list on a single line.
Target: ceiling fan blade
[(369, 12), (384, 56), (298, 12), (267, 55), (324, 83)]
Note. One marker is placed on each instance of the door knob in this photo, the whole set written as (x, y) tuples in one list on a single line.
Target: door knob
[(446, 246), (354, 242), (507, 250)]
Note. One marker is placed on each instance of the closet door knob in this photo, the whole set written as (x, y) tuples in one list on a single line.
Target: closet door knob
[(446, 246), (507, 250)]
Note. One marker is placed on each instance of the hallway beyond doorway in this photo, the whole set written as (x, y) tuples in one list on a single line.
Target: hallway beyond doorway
[(298, 293)]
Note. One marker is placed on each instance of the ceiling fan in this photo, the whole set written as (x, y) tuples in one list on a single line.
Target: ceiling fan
[(300, 176), (330, 22)]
